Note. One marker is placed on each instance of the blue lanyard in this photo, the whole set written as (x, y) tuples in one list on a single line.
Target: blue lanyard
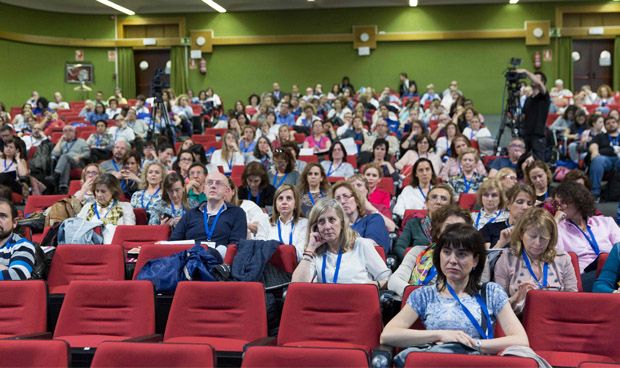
[(422, 192), (491, 220), (174, 212), (312, 198), (591, 239), (613, 140), (230, 163), (97, 140), (330, 171), (275, 177), (467, 183), (526, 260), (150, 199), (429, 276), (250, 196), (115, 166), (7, 167), (68, 146), (483, 307), (106, 214), (210, 230), (123, 182), (338, 260), (290, 236)]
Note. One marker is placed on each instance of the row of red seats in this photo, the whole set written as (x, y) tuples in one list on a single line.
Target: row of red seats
[(561, 327)]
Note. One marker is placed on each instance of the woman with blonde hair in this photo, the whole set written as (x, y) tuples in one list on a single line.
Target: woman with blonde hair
[(335, 253), (492, 202), (151, 184), (287, 224), (507, 177), (533, 262), (228, 156)]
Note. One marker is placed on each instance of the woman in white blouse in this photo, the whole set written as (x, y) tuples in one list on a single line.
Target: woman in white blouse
[(335, 253), (337, 165), (492, 204), (287, 225), (228, 156), (413, 197), (423, 148)]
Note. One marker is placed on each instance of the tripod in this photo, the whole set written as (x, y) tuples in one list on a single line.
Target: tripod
[(160, 121), (511, 112)]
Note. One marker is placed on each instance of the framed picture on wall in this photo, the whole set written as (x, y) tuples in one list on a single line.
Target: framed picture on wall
[(78, 73)]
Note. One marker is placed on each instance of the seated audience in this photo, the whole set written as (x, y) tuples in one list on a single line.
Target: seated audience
[(492, 203), (14, 166), (86, 193), (335, 253), (507, 177), (581, 232), (17, 255), (359, 182), (196, 183), (452, 167), (382, 159), (368, 225), (214, 220), (173, 203), (377, 196), (318, 140), (417, 265), (417, 231), (68, 153), (423, 148), (152, 180), (100, 142), (107, 207), (286, 222), (413, 196), (337, 165), (256, 218), (538, 175), (228, 156), (459, 259), (263, 153), (381, 132), (467, 180), (255, 185), (284, 169), (532, 262), (603, 154), (515, 149), (313, 185), (182, 164)]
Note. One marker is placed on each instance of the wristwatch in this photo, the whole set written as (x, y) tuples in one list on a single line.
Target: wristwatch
[(478, 345)]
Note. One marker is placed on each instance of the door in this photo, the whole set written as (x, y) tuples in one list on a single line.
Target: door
[(587, 70), (154, 60)]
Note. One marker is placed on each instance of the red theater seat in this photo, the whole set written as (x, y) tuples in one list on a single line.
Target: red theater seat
[(467, 201), (85, 262), (151, 251), (34, 353), (98, 311), (41, 202), (24, 307), (126, 354), (278, 356), (568, 328), (285, 257), (214, 313), (331, 316), (439, 360), (409, 214), (130, 236), (575, 262)]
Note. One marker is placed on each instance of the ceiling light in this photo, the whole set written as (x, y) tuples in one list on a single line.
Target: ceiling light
[(217, 7), (413, 2), (513, 1), (121, 9)]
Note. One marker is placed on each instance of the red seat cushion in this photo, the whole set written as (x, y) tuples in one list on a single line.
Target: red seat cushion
[(218, 343), (571, 359), (60, 289), (92, 341), (326, 344)]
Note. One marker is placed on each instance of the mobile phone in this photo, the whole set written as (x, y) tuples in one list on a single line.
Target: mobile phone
[(166, 216)]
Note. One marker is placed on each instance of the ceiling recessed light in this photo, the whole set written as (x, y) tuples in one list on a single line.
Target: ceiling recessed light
[(413, 2), (217, 7), (121, 9), (512, 2)]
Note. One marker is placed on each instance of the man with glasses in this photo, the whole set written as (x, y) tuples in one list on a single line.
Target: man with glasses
[(68, 153), (381, 131), (515, 149), (36, 138), (213, 221)]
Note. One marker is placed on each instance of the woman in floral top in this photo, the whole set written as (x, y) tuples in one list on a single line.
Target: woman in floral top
[(173, 203)]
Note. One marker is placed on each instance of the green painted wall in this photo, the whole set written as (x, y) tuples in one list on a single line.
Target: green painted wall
[(237, 71)]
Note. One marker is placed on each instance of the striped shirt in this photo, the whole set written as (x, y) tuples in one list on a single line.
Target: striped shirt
[(18, 255)]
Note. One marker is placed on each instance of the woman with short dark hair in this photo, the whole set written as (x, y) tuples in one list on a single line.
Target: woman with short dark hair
[(255, 185)]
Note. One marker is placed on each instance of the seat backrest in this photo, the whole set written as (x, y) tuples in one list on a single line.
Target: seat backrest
[(141, 216), (85, 262), (150, 251), (281, 356), (25, 302), (34, 353), (467, 201), (130, 236), (573, 322), (409, 214), (418, 324), (41, 202), (137, 354), (113, 308), (74, 187), (575, 262), (346, 313), (381, 252), (602, 258), (285, 257), (231, 310), (387, 184), (432, 360)]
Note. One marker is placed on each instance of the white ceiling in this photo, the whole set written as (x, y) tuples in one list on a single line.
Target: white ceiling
[(190, 6)]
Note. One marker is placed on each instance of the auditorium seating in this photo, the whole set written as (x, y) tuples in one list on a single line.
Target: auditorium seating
[(34, 353), (575, 262), (285, 257), (98, 311), (602, 258), (439, 360), (23, 305), (409, 214), (328, 315), (36, 203), (568, 328), (467, 201), (134, 355), (130, 236), (302, 357), (226, 315)]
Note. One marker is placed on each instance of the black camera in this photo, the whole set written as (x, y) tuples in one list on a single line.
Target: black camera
[(512, 76)]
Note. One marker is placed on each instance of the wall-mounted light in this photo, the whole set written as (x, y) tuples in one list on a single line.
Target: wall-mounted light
[(538, 32), (413, 3), (576, 56), (605, 58), (200, 41), (364, 37), (144, 65)]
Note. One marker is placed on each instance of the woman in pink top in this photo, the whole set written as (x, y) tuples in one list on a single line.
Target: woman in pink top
[(376, 195), (452, 167), (318, 141), (581, 232)]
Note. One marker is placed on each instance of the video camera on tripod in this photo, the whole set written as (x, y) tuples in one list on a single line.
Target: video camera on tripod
[(511, 106)]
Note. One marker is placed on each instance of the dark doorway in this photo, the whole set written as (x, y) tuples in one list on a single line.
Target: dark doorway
[(156, 59), (587, 69)]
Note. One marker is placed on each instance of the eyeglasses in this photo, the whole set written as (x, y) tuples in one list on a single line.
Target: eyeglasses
[(92, 173), (344, 197), (216, 183), (517, 146)]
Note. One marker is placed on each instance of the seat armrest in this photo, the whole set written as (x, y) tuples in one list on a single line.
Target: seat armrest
[(33, 336), (382, 356), (146, 338), (263, 341)]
